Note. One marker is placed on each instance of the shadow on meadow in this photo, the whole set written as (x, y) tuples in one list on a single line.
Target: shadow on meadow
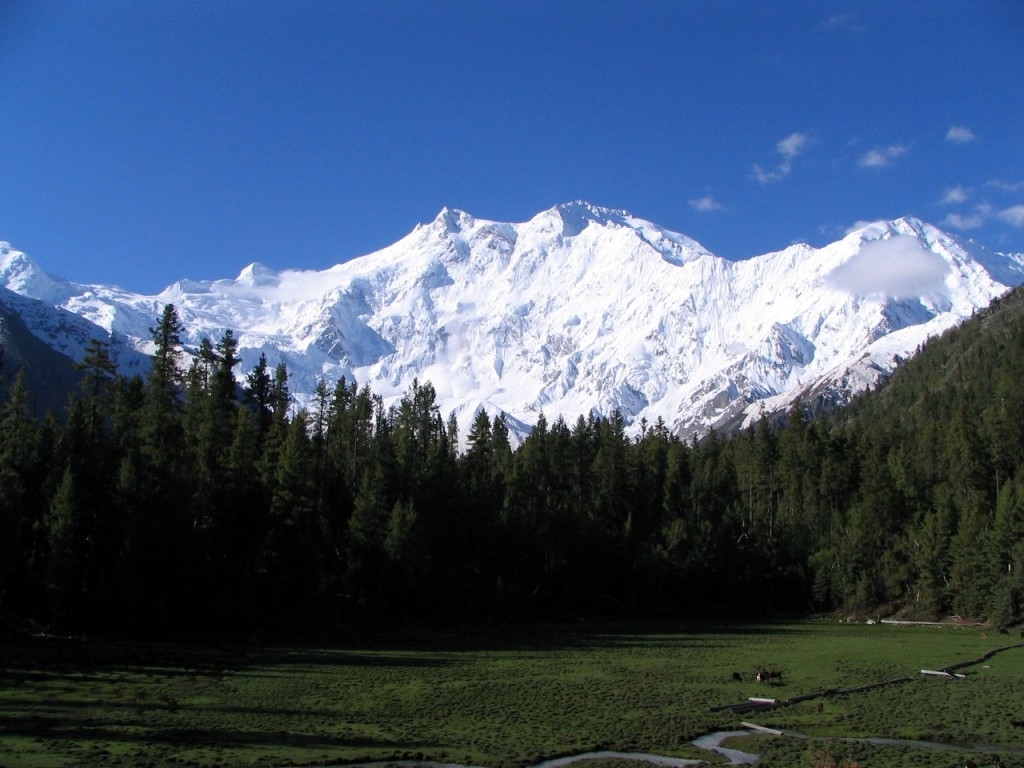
[(113, 731), (233, 697), (364, 648), (40, 660)]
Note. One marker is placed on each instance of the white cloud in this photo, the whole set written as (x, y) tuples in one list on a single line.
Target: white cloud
[(1013, 215), (899, 267), (707, 203), (766, 177), (1006, 186), (960, 134), (955, 195), (857, 225), (958, 221), (790, 148), (879, 157), (293, 284), (984, 212), (792, 145)]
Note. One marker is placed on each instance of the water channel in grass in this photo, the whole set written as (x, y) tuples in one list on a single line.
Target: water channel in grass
[(711, 742)]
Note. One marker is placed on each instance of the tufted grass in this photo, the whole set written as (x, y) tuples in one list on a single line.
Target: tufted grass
[(502, 696)]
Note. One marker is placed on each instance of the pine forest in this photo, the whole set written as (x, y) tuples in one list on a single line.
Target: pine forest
[(184, 504)]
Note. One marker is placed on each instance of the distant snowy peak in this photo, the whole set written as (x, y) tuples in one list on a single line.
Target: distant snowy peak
[(454, 221), (569, 219), (20, 274), (558, 225), (258, 275), (572, 219), (579, 309)]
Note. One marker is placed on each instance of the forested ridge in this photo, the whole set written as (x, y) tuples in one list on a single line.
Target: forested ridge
[(182, 503)]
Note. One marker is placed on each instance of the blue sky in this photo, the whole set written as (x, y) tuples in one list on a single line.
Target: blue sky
[(142, 142)]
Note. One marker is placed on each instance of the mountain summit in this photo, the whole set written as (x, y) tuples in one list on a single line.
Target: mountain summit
[(580, 309)]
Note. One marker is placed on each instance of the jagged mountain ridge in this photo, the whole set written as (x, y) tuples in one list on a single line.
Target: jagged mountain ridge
[(579, 309)]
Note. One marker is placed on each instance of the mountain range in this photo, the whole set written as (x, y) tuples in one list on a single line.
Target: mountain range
[(581, 309)]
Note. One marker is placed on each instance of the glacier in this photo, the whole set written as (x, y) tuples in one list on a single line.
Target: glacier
[(580, 310)]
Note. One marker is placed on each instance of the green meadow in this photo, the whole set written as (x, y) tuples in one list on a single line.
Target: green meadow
[(509, 696)]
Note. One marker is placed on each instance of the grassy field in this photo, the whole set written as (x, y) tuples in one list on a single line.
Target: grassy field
[(504, 696)]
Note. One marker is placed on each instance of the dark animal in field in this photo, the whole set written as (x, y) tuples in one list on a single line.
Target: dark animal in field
[(821, 707), (737, 677), (1017, 723), (767, 675), (762, 677)]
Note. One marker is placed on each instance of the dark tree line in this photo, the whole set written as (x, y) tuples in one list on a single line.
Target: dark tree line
[(185, 503)]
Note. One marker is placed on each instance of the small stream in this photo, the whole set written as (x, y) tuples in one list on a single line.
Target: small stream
[(711, 742), (668, 762)]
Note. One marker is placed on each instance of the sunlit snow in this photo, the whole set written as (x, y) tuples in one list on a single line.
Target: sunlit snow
[(581, 309)]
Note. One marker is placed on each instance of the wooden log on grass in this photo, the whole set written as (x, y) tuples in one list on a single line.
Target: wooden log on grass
[(761, 728), (942, 673)]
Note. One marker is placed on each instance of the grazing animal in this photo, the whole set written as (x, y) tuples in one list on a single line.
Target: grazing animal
[(1017, 723), (762, 677), (737, 677), (821, 707)]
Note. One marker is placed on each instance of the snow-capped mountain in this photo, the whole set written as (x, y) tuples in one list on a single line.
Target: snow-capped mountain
[(579, 309)]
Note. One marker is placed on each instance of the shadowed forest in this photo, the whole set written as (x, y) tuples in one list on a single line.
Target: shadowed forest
[(182, 503)]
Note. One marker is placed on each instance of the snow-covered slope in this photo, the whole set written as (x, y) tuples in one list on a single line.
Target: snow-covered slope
[(50, 310), (580, 309)]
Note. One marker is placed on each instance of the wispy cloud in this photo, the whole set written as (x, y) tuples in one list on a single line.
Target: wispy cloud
[(859, 224), (1013, 215), (842, 21), (1006, 186), (955, 196), (707, 203), (880, 157), (792, 145), (790, 148), (974, 220), (959, 134), (767, 177), (984, 212)]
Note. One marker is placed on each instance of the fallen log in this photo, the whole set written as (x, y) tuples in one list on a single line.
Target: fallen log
[(761, 728), (942, 673)]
